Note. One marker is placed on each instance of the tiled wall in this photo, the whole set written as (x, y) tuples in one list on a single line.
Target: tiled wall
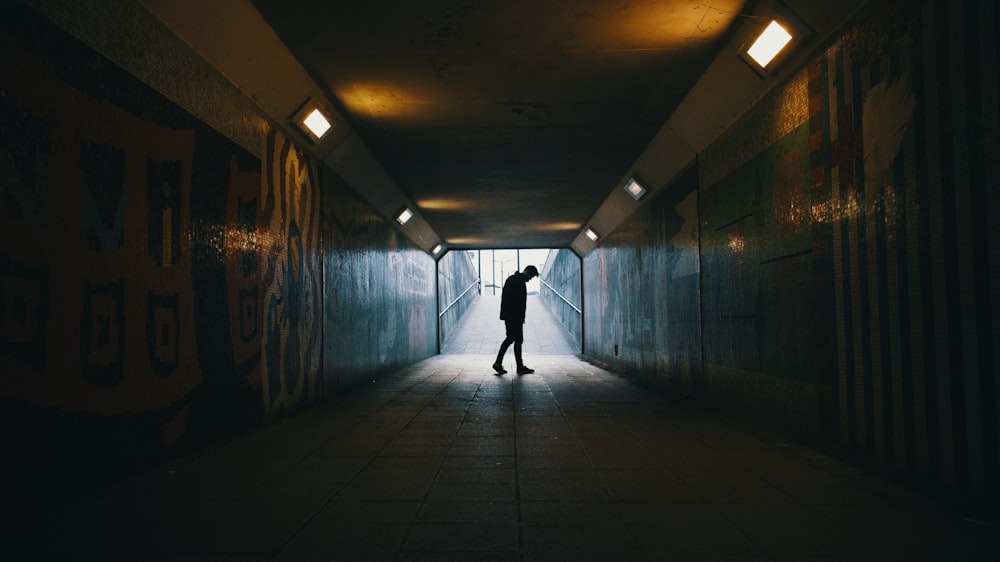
[(162, 288), (561, 274), (759, 304), (379, 305), (291, 261), (849, 263), (458, 288), (904, 156), (641, 293)]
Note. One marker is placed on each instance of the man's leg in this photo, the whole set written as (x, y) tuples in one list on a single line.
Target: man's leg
[(522, 369), (518, 333), (513, 331), (498, 364)]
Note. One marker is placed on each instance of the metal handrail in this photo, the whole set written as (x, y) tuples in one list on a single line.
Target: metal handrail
[(553, 289), (459, 297)]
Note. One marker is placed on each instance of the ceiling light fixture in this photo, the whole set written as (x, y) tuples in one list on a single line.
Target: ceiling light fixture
[(769, 43), (635, 189), (404, 215), (772, 44), (592, 235), (436, 249), (317, 123), (312, 121)]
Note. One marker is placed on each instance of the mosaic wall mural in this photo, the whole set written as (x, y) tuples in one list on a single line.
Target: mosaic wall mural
[(121, 221), (849, 270), (905, 141), (161, 289), (757, 291), (290, 278)]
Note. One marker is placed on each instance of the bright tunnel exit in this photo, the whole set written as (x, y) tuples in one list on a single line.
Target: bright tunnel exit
[(553, 317), (495, 266)]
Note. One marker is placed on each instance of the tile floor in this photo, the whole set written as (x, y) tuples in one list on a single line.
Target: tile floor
[(444, 460)]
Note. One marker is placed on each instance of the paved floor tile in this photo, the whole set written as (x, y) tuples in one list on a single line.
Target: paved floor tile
[(470, 511), (609, 537), (445, 460), (369, 511), (462, 537)]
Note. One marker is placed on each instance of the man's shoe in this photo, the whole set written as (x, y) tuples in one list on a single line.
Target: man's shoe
[(523, 370), (499, 369)]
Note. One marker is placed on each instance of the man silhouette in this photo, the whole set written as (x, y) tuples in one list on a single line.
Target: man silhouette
[(513, 302)]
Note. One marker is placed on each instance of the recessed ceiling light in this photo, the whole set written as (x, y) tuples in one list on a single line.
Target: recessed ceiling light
[(592, 235), (317, 123), (635, 189), (769, 43), (436, 249), (404, 215)]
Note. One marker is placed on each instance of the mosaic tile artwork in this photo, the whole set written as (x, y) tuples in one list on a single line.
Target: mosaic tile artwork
[(161, 289)]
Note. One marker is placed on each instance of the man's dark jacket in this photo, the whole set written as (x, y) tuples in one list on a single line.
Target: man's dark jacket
[(514, 299)]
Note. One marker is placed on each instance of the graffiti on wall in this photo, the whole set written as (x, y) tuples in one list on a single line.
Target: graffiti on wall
[(243, 288), (291, 278), (123, 311), (911, 132), (110, 267)]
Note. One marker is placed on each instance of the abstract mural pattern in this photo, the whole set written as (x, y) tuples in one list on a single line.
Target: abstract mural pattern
[(161, 288), (849, 269), (291, 278), (109, 245), (907, 144)]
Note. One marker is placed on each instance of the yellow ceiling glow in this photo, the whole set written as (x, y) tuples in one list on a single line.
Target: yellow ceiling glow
[(380, 100), (467, 241), (559, 226), (448, 204), (655, 26)]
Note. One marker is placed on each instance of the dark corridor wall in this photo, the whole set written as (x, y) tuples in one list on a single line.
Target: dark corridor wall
[(848, 256), (379, 304), (161, 288), (641, 301), (458, 289), (561, 289)]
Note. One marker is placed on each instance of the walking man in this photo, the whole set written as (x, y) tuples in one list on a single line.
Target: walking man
[(513, 302)]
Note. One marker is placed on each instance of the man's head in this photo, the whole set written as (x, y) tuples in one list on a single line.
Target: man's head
[(531, 272)]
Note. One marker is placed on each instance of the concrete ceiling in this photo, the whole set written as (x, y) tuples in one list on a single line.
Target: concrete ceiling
[(502, 124), (506, 123)]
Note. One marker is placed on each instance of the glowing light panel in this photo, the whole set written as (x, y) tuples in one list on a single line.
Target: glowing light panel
[(316, 123), (635, 189), (771, 41), (592, 235), (403, 216)]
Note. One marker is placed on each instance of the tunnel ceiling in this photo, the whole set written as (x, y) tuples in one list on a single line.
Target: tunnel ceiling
[(507, 123)]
